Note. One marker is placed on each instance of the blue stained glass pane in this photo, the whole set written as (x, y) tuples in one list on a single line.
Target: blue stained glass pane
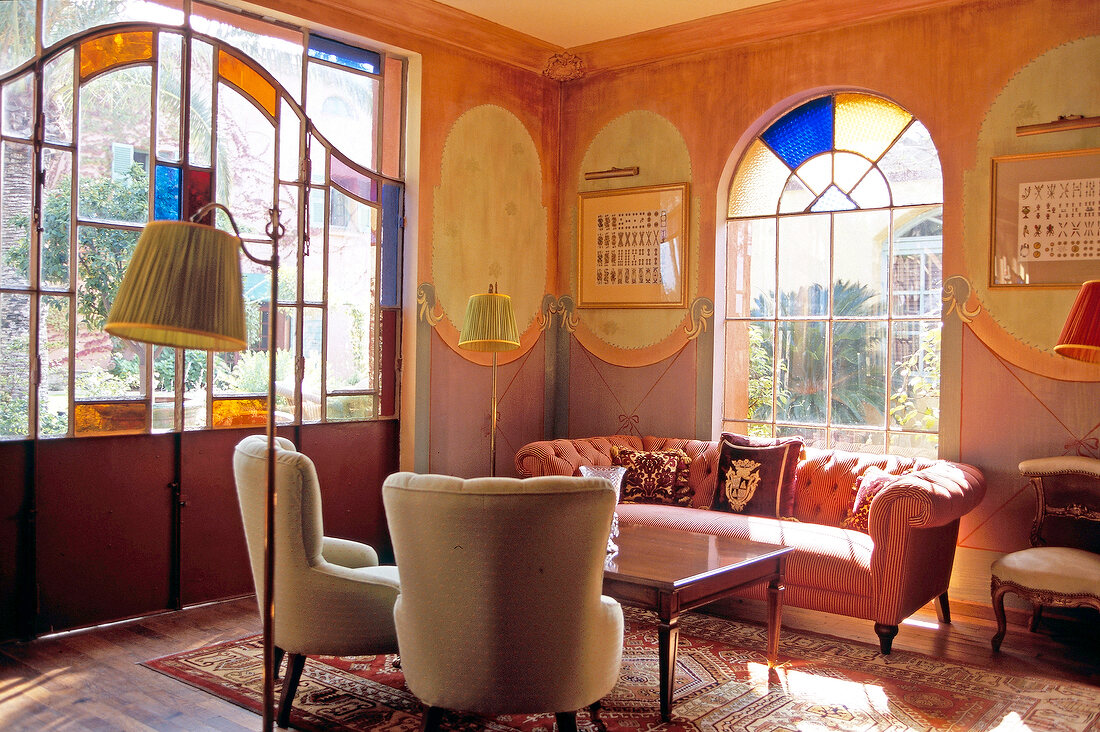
[(391, 245), (166, 194), (803, 132), (335, 52)]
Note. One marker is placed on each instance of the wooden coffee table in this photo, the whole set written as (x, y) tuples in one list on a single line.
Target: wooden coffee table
[(671, 571)]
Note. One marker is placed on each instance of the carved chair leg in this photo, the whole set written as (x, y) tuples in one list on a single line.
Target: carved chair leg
[(294, 665), (886, 635), (431, 718), (999, 612), (566, 721), (1036, 615), (943, 610)]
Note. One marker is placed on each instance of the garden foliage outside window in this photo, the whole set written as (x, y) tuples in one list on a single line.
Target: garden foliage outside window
[(135, 111), (833, 280)]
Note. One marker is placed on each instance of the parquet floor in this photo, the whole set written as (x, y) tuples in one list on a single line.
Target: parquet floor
[(91, 680)]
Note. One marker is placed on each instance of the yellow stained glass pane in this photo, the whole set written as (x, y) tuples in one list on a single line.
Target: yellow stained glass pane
[(109, 418), (867, 125), (111, 50), (248, 80), (758, 183), (248, 412)]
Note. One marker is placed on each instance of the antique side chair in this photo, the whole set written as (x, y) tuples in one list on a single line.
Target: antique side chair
[(1062, 567)]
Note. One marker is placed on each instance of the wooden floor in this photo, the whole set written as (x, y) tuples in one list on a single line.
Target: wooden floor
[(92, 680)]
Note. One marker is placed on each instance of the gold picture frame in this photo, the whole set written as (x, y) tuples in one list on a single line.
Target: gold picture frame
[(632, 246), (1045, 219)]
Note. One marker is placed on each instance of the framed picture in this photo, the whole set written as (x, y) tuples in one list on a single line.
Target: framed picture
[(1045, 219), (632, 247)]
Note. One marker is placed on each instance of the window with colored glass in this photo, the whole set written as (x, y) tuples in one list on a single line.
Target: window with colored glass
[(833, 280), (134, 111)]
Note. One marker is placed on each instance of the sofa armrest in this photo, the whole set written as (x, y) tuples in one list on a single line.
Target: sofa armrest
[(563, 457), (933, 496)]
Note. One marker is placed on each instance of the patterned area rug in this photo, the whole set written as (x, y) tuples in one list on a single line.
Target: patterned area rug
[(722, 683)]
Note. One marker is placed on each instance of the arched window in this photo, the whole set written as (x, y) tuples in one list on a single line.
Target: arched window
[(132, 111), (833, 277)]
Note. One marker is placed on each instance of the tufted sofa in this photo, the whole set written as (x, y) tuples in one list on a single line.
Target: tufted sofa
[(901, 564)]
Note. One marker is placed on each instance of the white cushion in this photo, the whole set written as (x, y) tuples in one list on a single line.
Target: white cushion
[(1052, 568)]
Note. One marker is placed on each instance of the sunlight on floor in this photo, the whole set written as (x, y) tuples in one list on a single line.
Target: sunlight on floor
[(1011, 723), (921, 623), (841, 693)]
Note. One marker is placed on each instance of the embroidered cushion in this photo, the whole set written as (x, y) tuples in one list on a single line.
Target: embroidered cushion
[(757, 479), (613, 473), (868, 485), (658, 476)]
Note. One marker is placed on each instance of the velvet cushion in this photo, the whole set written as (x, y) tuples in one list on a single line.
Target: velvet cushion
[(613, 473), (658, 476), (868, 485), (757, 479)]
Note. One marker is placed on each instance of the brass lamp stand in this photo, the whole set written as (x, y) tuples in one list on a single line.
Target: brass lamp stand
[(490, 325), (182, 289)]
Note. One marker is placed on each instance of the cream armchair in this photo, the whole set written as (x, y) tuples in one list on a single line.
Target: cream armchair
[(501, 610), (331, 597)]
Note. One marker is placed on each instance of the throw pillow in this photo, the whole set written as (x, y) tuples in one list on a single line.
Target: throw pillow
[(613, 473), (659, 476), (868, 485), (757, 480)]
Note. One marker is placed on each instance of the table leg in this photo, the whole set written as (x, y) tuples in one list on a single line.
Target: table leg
[(668, 635), (775, 610)]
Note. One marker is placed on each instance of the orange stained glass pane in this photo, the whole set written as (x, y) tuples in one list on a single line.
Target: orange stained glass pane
[(867, 125), (759, 182), (109, 418), (114, 49), (251, 411), (248, 80)]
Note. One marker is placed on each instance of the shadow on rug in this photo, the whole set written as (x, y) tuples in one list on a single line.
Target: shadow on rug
[(722, 683)]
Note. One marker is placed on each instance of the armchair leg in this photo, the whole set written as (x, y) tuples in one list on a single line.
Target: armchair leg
[(294, 665), (1036, 615), (886, 635), (566, 721), (999, 592), (943, 610), (431, 718), (278, 660), (594, 715)]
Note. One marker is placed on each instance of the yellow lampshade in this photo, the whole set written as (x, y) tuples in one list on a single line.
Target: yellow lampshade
[(182, 289), (490, 323), (1080, 337)]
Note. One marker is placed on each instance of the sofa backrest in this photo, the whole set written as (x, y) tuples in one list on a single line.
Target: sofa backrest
[(825, 482)]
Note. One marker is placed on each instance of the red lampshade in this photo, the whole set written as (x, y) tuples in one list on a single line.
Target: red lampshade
[(1080, 337)]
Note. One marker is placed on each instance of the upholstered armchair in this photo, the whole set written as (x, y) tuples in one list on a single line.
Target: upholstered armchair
[(1060, 569), (501, 610), (331, 597)]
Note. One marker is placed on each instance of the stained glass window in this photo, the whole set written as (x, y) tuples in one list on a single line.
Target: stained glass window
[(834, 268), (127, 136)]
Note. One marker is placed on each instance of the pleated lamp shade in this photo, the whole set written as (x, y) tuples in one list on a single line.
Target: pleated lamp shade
[(1080, 337), (490, 324), (182, 289)]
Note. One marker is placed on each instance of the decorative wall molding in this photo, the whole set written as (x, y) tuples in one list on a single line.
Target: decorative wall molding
[(564, 66), (563, 307), (956, 291), (700, 310), (426, 304)]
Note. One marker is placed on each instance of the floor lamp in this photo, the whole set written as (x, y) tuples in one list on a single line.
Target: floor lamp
[(183, 289), (1080, 338), (490, 325)]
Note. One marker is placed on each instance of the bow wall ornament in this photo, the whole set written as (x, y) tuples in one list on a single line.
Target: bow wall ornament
[(426, 304), (956, 303), (701, 309)]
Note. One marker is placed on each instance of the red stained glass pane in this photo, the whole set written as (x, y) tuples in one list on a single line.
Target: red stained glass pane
[(105, 52), (200, 191), (109, 418), (248, 80), (250, 412)]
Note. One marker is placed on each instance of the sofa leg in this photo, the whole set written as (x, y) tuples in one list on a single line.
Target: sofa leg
[(886, 635), (943, 610), (566, 721)]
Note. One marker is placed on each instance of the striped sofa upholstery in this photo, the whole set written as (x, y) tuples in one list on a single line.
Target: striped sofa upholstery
[(900, 565)]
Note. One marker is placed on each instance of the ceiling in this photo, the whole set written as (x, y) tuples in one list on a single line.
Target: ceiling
[(572, 23)]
